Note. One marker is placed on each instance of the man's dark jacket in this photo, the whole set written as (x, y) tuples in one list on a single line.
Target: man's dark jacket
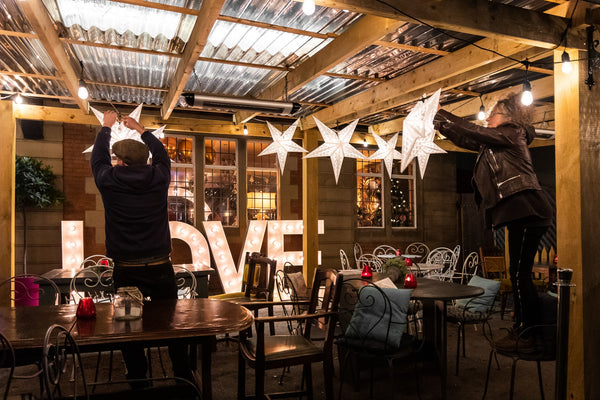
[(135, 201)]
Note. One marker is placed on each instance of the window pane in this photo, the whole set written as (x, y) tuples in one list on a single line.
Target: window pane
[(220, 192), (369, 201), (403, 203), (220, 152), (261, 181), (180, 201), (254, 161)]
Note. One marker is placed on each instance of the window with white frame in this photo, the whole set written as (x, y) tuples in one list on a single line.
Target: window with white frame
[(369, 187), (262, 184), (404, 205), (221, 181), (180, 201)]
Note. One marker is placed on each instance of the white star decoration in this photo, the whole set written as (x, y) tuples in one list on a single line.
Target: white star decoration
[(336, 146), (282, 144), (418, 133), (387, 152), (119, 131)]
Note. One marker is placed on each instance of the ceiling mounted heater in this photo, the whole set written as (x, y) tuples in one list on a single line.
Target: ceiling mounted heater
[(237, 104)]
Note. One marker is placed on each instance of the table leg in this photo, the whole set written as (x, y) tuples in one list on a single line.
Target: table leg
[(203, 377)]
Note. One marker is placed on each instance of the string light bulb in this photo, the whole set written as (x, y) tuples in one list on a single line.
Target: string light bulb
[(245, 130), (481, 113), (18, 99), (82, 92), (527, 96), (308, 7), (365, 144), (567, 67)]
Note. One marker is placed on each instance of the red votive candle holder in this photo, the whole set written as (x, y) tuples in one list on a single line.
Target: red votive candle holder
[(367, 272), (410, 281), (86, 308), (398, 253), (408, 262)]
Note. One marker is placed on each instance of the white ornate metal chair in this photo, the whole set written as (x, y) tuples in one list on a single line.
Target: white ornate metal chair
[(95, 281), (186, 283), (418, 249), (358, 251), (469, 268), (344, 260), (446, 257), (384, 249), (373, 261), (97, 260)]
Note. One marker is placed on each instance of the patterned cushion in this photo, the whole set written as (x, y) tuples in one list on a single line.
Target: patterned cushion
[(484, 302)]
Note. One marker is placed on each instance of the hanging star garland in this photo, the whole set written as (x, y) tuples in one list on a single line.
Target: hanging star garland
[(418, 133), (282, 144), (119, 131), (387, 152), (337, 146)]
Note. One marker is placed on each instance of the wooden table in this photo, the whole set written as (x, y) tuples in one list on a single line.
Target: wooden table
[(435, 295), (163, 322), (62, 278)]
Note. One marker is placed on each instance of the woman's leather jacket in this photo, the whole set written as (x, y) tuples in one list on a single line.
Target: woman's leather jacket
[(503, 165)]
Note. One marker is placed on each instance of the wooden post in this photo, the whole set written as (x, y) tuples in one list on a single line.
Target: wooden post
[(577, 117), (310, 207), (7, 194)]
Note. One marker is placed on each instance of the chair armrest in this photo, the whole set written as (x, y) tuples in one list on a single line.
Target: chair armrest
[(300, 317)]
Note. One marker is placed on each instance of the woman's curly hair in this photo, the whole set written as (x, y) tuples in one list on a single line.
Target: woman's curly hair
[(511, 106)]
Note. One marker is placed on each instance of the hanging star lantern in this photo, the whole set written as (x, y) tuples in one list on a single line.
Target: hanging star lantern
[(282, 144), (119, 131), (337, 146), (418, 133), (387, 152)]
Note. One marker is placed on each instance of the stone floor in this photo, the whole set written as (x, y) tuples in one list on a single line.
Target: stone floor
[(467, 385)]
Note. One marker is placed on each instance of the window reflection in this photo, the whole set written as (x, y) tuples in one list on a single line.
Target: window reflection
[(220, 181)]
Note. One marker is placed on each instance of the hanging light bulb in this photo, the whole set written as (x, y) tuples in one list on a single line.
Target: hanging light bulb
[(481, 113), (567, 67), (82, 92), (365, 144), (18, 99), (308, 7), (245, 130), (527, 96)]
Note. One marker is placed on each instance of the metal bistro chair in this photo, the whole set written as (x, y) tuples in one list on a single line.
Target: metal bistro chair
[(30, 290), (373, 261), (344, 260), (446, 257), (419, 249), (95, 281), (384, 249), (469, 268), (7, 361), (358, 251)]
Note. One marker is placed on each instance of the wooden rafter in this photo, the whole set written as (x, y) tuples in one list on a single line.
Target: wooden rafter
[(416, 49), (210, 10), (384, 96), (476, 17), (38, 17)]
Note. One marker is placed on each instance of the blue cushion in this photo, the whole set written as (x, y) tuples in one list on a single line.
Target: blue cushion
[(481, 303), (373, 324)]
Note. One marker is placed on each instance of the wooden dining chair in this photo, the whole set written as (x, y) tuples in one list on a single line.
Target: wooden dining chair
[(494, 267), (7, 362), (263, 352)]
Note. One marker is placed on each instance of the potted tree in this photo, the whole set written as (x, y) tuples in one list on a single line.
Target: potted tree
[(34, 187)]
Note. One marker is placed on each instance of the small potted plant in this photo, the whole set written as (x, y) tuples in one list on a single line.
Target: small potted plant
[(395, 268)]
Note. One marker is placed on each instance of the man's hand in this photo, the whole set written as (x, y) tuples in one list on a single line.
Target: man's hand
[(131, 123), (110, 117)]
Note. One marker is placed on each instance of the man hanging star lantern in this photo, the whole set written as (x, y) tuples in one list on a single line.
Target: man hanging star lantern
[(282, 144), (337, 146), (119, 131), (418, 133), (387, 152)]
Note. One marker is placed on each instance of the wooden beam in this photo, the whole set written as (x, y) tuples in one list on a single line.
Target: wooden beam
[(355, 77), (121, 48), (210, 10), (416, 49), (541, 88), (37, 15), (159, 6), (26, 35), (476, 17), (28, 75), (8, 139), (384, 96), (244, 64)]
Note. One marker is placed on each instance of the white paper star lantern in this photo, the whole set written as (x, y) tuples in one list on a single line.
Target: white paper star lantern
[(418, 133), (387, 152), (282, 144), (119, 131), (337, 146)]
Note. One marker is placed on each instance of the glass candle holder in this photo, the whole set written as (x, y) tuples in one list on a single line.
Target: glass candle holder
[(86, 308), (366, 272), (410, 281), (128, 303)]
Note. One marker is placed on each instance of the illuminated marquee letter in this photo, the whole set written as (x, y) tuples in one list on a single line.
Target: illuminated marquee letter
[(72, 244), (193, 238), (277, 230)]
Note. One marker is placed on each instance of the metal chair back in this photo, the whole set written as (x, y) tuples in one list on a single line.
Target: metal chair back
[(186, 283), (417, 248), (31, 290), (95, 281)]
